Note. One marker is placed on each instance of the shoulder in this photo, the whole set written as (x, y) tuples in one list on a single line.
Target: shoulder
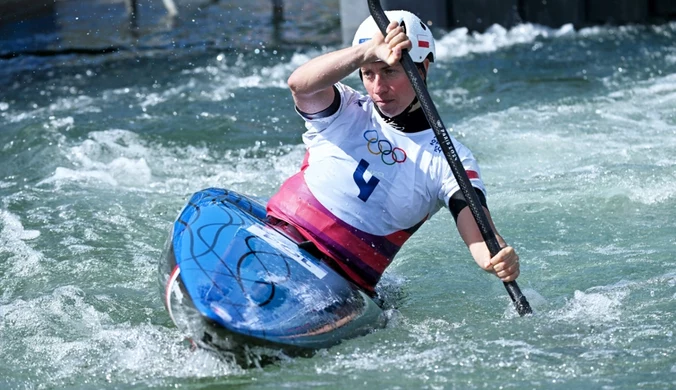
[(354, 111), (348, 106), (351, 97)]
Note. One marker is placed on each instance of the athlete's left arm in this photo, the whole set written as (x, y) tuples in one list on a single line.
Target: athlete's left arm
[(505, 265)]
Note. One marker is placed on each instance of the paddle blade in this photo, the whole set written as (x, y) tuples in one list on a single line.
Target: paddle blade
[(520, 302)]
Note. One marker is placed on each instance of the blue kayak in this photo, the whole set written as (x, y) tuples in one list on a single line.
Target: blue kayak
[(232, 279)]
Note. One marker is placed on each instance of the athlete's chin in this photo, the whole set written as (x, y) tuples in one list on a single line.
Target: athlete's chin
[(388, 110)]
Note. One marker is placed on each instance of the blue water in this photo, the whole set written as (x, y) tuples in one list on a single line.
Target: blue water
[(575, 131)]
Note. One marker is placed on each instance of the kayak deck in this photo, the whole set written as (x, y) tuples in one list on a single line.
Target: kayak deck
[(232, 279)]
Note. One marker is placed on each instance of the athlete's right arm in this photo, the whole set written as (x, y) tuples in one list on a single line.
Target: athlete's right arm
[(312, 83)]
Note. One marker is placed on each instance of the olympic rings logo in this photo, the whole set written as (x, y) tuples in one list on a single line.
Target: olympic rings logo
[(384, 148)]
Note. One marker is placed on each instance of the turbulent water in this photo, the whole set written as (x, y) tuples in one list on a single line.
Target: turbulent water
[(575, 131)]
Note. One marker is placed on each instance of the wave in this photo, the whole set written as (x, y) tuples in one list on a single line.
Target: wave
[(123, 158)]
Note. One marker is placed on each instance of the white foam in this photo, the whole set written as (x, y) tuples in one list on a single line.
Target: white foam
[(460, 43), (95, 347), (153, 99), (23, 261), (97, 161), (643, 111), (225, 78), (130, 172), (121, 158), (121, 171), (456, 97), (632, 123), (14, 230), (593, 307), (247, 170), (77, 104), (58, 123)]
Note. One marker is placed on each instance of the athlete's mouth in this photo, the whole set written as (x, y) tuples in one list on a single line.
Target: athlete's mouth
[(383, 101)]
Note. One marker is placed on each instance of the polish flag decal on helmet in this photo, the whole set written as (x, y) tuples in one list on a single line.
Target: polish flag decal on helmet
[(422, 42)]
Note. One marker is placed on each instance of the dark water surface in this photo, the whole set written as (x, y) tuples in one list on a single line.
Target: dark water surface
[(575, 132)]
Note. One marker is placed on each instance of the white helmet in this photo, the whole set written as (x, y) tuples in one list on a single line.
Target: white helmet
[(419, 34)]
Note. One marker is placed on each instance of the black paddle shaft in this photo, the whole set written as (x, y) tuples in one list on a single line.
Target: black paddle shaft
[(440, 132)]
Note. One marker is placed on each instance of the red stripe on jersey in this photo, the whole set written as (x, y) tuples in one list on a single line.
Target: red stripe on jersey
[(298, 206)]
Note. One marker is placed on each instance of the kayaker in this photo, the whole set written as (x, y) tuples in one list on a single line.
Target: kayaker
[(374, 172)]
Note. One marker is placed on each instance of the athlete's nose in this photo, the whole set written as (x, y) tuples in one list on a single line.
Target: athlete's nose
[(379, 85)]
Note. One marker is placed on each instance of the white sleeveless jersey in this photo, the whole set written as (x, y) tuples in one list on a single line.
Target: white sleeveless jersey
[(375, 177), (365, 187)]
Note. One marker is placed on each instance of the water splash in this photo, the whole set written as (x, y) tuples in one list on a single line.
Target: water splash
[(593, 307), (460, 42), (21, 261)]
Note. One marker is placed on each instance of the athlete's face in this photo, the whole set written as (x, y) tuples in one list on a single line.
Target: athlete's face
[(388, 86)]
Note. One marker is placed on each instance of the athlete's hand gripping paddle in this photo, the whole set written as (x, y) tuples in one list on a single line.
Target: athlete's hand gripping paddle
[(520, 302)]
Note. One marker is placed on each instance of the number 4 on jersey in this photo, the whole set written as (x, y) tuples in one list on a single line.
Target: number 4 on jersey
[(365, 187)]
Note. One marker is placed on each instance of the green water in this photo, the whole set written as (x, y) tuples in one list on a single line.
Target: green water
[(575, 132)]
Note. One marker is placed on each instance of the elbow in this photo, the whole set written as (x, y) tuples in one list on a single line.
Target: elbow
[(295, 83), (291, 83), (300, 85)]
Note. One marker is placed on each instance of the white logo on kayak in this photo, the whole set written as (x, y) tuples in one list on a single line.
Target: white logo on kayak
[(284, 245)]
